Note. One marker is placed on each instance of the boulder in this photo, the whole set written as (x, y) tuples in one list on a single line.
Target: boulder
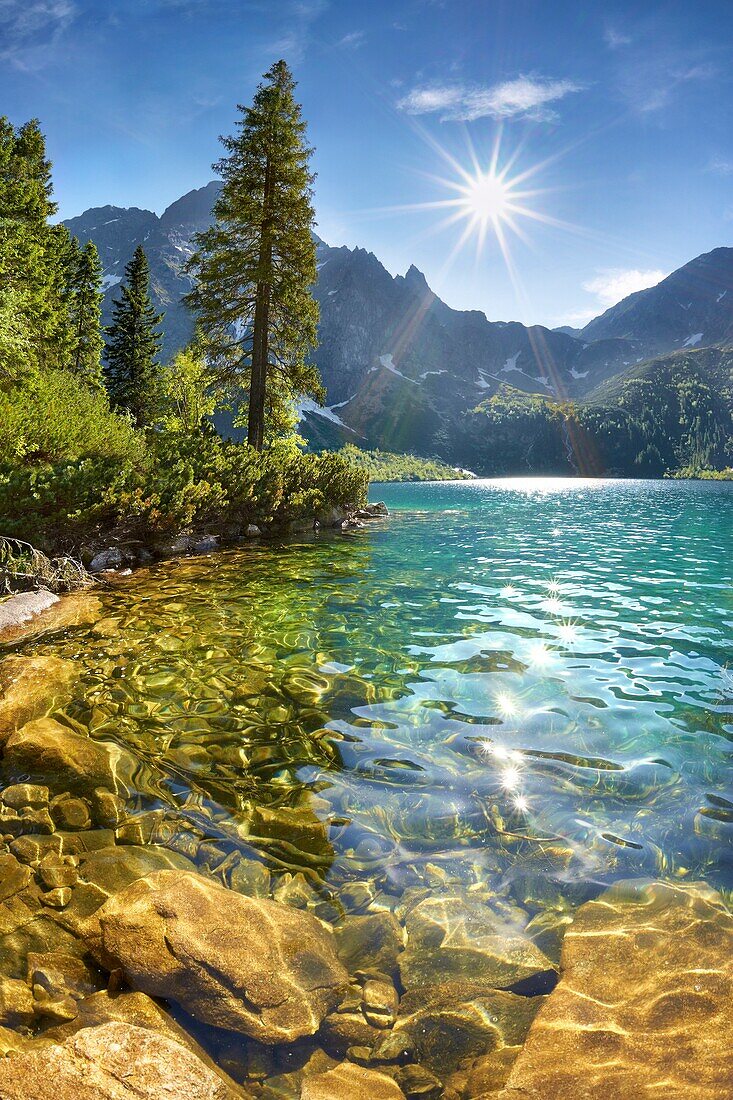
[(115, 1061), (351, 1082), (372, 941), (644, 1005), (29, 686), (47, 749), (22, 607), (112, 558), (457, 937), (174, 935), (450, 1025)]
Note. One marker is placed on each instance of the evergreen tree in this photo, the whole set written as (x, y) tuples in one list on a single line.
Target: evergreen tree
[(254, 268), (85, 308), (32, 252), (133, 345)]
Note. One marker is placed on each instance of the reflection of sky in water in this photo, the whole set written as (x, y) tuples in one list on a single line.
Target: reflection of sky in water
[(503, 674)]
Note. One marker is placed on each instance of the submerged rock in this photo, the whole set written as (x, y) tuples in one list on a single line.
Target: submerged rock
[(456, 937), (29, 687), (115, 1061), (172, 935), (351, 1082), (46, 748), (644, 1004)]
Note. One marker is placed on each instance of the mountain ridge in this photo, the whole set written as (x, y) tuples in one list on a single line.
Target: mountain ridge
[(401, 368)]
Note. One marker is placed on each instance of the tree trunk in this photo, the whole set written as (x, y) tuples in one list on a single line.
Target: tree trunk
[(260, 334)]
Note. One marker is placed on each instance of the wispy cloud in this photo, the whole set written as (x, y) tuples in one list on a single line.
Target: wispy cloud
[(651, 75), (721, 166), (301, 15), (615, 39), (351, 41), (612, 285), (28, 28), (523, 97)]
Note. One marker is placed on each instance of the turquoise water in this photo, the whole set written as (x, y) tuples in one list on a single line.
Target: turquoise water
[(521, 682)]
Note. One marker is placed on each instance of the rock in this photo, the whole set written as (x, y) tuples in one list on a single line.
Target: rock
[(115, 1061), (16, 1003), (644, 1003), (455, 936), (70, 813), (253, 531), (380, 1002), (29, 686), (56, 871), (206, 544), (112, 558), (298, 834), (48, 749), (58, 898), (26, 820), (451, 1024), (21, 795), (372, 941), (418, 1083), (250, 877), (351, 1082), (24, 606), (275, 985), (103, 873), (14, 876)]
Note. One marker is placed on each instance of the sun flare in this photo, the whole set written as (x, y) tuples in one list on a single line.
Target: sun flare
[(486, 198)]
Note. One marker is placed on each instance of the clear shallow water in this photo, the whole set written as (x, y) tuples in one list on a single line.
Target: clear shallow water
[(520, 683)]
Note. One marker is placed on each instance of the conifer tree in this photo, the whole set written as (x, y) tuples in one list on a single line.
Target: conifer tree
[(32, 252), (254, 268), (133, 344), (85, 308)]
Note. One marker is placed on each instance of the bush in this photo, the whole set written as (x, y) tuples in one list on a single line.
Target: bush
[(72, 472)]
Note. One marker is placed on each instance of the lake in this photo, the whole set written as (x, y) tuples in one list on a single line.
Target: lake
[(518, 686)]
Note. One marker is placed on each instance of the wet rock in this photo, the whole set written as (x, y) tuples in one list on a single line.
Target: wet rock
[(14, 876), (455, 936), (57, 870), (26, 820), (374, 940), (295, 891), (275, 985), (29, 687), (58, 898), (115, 1061), (418, 1083), (105, 872), (46, 748), (20, 795), (112, 558), (298, 835), (453, 1023), (253, 531), (22, 607), (380, 1002), (76, 609), (16, 1003), (489, 1073), (31, 849), (351, 1082), (109, 808), (644, 1002), (70, 813), (250, 877)]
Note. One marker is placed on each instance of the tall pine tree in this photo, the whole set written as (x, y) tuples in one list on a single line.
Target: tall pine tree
[(254, 268), (85, 309), (33, 254), (133, 343)]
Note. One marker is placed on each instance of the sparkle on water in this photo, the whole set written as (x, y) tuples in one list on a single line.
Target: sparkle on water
[(499, 665)]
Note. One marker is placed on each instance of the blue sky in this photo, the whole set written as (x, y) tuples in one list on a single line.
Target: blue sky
[(616, 116)]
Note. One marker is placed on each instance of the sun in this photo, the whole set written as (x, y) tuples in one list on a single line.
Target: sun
[(486, 198)]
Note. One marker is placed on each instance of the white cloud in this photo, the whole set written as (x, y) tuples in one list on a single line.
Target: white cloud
[(351, 41), (615, 38), (525, 96), (28, 27), (722, 166), (613, 284)]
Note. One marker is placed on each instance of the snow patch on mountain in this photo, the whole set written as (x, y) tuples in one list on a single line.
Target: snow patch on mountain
[(691, 341), (388, 364)]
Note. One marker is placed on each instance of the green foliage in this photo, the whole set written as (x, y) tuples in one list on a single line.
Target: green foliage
[(34, 322), (384, 466), (52, 418), (189, 394), (254, 268), (132, 373), (85, 313)]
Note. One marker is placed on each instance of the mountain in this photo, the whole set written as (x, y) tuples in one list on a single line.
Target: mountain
[(117, 231), (692, 307), (402, 370)]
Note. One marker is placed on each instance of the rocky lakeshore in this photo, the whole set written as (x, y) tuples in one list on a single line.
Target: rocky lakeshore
[(147, 953)]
